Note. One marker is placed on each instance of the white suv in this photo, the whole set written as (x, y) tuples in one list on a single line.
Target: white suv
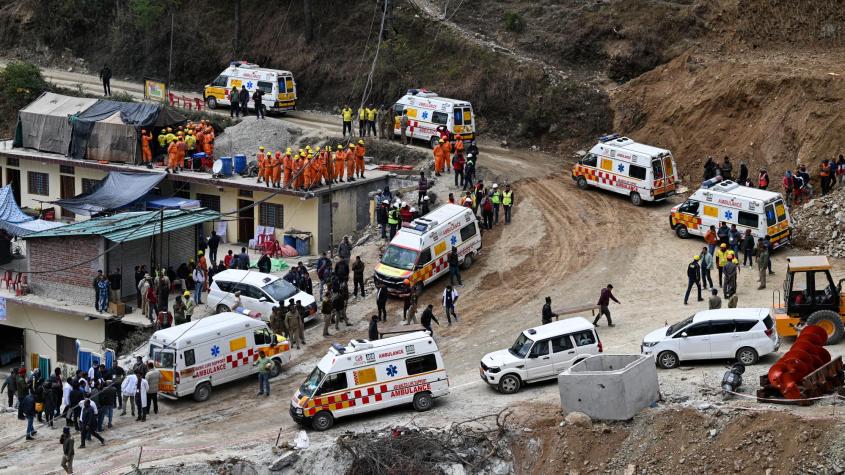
[(259, 292), (540, 353), (743, 334)]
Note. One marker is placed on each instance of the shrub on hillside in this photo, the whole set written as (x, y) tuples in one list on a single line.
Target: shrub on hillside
[(514, 22), (21, 82)]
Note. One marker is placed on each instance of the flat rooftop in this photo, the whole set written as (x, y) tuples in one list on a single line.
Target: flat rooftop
[(236, 181)]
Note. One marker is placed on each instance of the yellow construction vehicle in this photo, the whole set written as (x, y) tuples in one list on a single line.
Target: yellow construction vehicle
[(810, 297)]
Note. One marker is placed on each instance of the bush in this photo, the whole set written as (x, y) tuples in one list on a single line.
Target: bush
[(514, 22), (21, 82)]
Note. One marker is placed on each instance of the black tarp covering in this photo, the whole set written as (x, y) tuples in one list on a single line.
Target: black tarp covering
[(117, 190)]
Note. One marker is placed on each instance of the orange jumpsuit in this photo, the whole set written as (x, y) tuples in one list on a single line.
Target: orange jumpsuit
[(324, 165), (260, 157), (309, 172), (182, 150), (359, 160), (172, 161), (146, 152), (277, 168), (297, 168), (287, 163), (339, 156), (200, 140), (209, 143), (349, 158), (459, 147), (447, 154), (438, 158)]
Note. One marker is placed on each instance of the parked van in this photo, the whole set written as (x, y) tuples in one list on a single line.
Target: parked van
[(540, 353), (427, 111), (368, 376), (278, 86), (743, 334), (195, 356), (761, 211), (618, 164), (260, 292), (419, 253)]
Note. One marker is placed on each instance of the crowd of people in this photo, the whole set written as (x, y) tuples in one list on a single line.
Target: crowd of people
[(311, 168), (174, 145)]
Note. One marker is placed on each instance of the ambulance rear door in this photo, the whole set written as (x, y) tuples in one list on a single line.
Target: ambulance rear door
[(463, 121), (165, 360)]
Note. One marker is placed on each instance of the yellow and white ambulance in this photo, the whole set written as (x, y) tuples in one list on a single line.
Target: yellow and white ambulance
[(368, 376), (620, 165), (195, 356), (279, 86), (761, 211), (427, 111), (419, 252)]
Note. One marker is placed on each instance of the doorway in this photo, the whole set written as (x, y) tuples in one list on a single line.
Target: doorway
[(246, 221), (14, 178), (11, 347), (67, 190)]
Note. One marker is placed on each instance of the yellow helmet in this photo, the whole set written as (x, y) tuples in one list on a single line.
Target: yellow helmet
[(261, 147), (288, 150), (308, 147), (442, 141), (186, 294), (351, 145), (696, 257), (360, 142), (339, 146), (169, 129), (269, 154)]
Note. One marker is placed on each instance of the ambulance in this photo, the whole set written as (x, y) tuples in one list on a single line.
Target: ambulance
[(368, 376), (618, 164), (279, 86), (761, 211), (195, 356), (419, 252), (427, 111)]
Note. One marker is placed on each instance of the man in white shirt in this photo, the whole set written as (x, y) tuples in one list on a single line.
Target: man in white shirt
[(199, 280), (127, 392), (450, 296)]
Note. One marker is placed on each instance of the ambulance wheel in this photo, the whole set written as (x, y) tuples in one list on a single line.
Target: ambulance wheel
[(211, 102), (423, 401), (636, 199), (509, 384), (323, 420), (276, 369), (434, 142), (467, 261), (222, 309), (582, 183), (202, 392), (682, 231)]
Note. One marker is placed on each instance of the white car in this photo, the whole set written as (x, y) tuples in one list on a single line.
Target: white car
[(260, 292), (743, 334), (540, 353)]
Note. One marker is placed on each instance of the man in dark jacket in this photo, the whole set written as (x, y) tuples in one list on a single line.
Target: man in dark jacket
[(213, 244), (381, 217), (381, 301), (27, 407), (105, 76), (358, 276), (243, 260), (373, 328), (244, 96), (693, 278), (10, 386), (344, 249), (454, 267), (426, 318), (726, 169), (603, 303), (88, 421), (548, 314), (21, 388), (422, 187), (256, 101), (341, 271), (105, 404)]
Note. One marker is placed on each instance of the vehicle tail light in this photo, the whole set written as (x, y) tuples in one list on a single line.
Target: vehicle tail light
[(601, 347), (176, 378), (769, 331)]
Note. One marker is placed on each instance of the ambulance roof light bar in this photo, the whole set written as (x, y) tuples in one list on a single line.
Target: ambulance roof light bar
[(338, 348), (608, 138), (421, 92)]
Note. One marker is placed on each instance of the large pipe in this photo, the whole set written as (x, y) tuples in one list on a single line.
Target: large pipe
[(806, 355)]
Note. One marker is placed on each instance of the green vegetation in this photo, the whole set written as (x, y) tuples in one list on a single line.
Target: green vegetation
[(20, 83), (514, 22)]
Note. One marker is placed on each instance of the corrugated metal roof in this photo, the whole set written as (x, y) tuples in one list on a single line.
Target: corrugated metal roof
[(124, 227)]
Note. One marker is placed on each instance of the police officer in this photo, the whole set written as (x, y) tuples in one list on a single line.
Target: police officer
[(693, 278)]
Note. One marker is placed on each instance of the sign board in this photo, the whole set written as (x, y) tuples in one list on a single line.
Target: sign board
[(155, 90), (2, 308)]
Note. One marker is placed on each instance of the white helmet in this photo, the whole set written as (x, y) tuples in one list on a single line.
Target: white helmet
[(404, 204), (495, 185), (413, 210), (385, 202), (425, 198)]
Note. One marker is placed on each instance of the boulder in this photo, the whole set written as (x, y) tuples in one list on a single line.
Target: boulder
[(579, 419)]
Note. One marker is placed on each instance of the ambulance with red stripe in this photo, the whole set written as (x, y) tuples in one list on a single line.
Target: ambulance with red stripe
[(368, 376), (195, 356), (427, 111), (419, 252), (618, 164), (761, 211)]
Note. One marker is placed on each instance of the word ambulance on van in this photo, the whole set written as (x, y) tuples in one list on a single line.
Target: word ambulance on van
[(761, 211), (427, 111), (278, 86), (419, 252), (620, 165), (195, 356), (371, 375)]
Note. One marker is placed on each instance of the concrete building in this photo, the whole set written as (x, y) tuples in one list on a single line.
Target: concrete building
[(40, 178)]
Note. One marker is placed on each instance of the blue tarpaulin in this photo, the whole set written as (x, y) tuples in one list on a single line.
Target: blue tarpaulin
[(16, 222), (172, 203), (117, 190)]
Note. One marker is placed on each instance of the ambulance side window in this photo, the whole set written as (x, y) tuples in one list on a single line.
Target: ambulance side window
[(638, 172), (690, 207), (262, 337), (590, 160), (189, 357), (468, 231), (441, 118), (334, 382), (265, 86), (421, 364), (748, 219), (220, 81), (425, 257)]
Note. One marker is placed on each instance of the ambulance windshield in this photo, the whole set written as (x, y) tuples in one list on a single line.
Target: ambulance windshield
[(312, 382), (521, 346), (400, 258)]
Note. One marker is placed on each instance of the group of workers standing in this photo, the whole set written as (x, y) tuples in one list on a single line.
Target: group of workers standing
[(311, 167), (178, 144), (239, 102), (368, 117)]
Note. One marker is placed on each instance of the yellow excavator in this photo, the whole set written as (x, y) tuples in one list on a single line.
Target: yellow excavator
[(810, 297)]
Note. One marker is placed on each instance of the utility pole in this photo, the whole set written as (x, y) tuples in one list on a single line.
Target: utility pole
[(170, 56), (309, 27), (331, 214), (161, 240), (237, 50)]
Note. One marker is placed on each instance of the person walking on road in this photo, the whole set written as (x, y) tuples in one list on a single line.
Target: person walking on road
[(548, 314), (693, 278), (409, 314), (141, 389), (105, 76), (88, 420), (264, 364), (27, 407), (292, 324), (358, 276), (507, 202), (67, 442), (426, 318), (381, 302), (326, 310), (450, 297), (762, 253), (604, 302)]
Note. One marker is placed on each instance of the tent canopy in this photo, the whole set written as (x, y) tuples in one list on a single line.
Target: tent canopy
[(45, 124), (108, 130), (117, 190), (16, 222)]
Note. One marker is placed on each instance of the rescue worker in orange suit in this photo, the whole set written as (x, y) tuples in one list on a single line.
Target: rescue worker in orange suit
[(325, 171), (349, 158), (306, 172), (259, 157), (277, 169), (209, 142), (359, 158), (287, 164), (172, 160), (447, 154), (297, 169), (146, 151), (438, 158), (338, 163), (182, 150), (268, 169)]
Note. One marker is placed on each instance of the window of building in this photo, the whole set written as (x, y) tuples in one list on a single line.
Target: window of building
[(271, 215), (38, 183), (65, 349), (209, 201), (66, 169), (190, 358), (747, 219), (245, 193), (89, 185), (637, 172), (13, 162), (421, 364)]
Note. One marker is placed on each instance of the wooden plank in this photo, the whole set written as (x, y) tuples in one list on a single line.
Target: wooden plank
[(399, 329), (577, 309)]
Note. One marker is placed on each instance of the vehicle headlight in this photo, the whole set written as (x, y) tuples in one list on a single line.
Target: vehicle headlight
[(299, 411), (649, 344), (494, 369)]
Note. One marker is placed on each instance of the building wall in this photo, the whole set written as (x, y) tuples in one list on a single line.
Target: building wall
[(351, 211), (41, 327), (73, 284)]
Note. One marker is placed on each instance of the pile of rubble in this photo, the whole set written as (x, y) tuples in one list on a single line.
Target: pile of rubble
[(820, 224), (246, 136)]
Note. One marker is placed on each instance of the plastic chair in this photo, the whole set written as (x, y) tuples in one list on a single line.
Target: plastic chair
[(268, 247), (172, 98), (186, 102), (198, 103), (8, 276), (17, 282)]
